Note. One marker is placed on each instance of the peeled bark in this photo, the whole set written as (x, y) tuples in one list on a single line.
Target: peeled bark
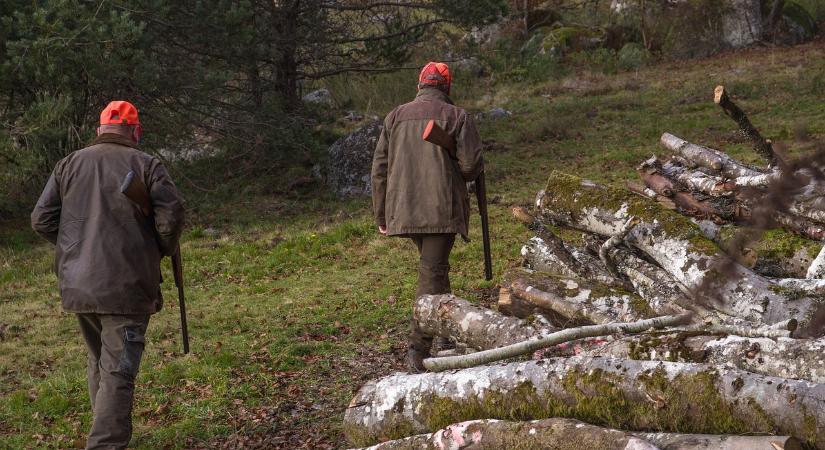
[(657, 183), (708, 157), (474, 326), (678, 246), (536, 434), (631, 395), (762, 146)]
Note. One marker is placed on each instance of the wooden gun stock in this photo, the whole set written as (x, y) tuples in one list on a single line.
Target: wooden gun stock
[(434, 134)]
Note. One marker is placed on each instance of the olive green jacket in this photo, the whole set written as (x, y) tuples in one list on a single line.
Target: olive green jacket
[(107, 254), (419, 187)]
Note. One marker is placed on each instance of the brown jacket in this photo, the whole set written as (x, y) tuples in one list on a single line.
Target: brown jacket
[(107, 255), (419, 187)]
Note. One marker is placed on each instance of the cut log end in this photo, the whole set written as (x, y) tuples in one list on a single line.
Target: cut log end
[(719, 95)]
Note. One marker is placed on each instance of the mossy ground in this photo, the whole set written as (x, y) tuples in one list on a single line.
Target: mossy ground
[(298, 301)]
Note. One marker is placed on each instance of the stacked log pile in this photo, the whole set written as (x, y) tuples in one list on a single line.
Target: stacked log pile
[(660, 316)]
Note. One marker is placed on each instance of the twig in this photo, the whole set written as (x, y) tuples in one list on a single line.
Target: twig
[(570, 334)]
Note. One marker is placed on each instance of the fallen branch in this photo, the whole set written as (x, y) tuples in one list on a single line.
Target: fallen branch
[(570, 334), (623, 394), (762, 146), (675, 441)]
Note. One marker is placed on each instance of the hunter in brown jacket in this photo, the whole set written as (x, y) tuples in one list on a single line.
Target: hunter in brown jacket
[(419, 189), (107, 259)]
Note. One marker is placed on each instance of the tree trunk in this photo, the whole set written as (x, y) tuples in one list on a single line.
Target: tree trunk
[(674, 441), (781, 357), (553, 433), (474, 326), (632, 395), (678, 246)]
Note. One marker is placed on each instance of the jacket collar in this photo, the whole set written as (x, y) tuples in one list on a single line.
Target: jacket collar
[(112, 138), (429, 93)]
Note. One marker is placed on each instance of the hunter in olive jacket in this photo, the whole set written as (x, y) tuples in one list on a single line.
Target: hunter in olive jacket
[(107, 255), (419, 187)]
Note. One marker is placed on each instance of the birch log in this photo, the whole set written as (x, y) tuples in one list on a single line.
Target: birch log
[(452, 317), (553, 433), (707, 157), (697, 181), (675, 441), (802, 359), (623, 394), (678, 246)]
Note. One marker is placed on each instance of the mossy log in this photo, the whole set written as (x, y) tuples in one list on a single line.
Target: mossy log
[(476, 327), (678, 246), (623, 394), (675, 441), (556, 433), (777, 253), (802, 359)]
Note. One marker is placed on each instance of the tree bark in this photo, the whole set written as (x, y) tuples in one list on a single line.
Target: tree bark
[(781, 357), (632, 395), (678, 246), (567, 335), (698, 181), (762, 146), (707, 157), (474, 326), (552, 433), (675, 441)]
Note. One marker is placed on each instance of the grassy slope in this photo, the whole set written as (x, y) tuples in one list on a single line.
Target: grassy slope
[(290, 313)]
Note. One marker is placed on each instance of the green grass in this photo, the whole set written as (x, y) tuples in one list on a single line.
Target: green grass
[(298, 301)]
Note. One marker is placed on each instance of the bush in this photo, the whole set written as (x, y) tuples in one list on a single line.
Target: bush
[(632, 56)]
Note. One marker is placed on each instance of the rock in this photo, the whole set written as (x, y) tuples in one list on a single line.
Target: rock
[(483, 36), (470, 66), (499, 113), (354, 116), (319, 97), (742, 23), (350, 161), (211, 232)]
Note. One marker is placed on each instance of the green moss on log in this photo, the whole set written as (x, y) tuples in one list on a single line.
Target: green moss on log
[(566, 194)]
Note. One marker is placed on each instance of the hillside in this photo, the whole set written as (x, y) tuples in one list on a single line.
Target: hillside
[(295, 300)]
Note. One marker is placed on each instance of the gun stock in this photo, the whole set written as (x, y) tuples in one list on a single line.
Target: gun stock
[(434, 134)]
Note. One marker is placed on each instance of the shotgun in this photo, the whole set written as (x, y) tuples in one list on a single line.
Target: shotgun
[(434, 134), (134, 189)]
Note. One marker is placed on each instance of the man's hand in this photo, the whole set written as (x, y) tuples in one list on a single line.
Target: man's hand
[(382, 229)]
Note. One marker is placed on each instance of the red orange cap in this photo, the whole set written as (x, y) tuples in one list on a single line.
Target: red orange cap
[(435, 74), (119, 112)]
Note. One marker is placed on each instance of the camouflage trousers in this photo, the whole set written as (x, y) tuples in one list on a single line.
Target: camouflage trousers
[(433, 276), (115, 346)]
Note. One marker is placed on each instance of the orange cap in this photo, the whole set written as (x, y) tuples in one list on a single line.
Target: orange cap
[(119, 112), (435, 74)]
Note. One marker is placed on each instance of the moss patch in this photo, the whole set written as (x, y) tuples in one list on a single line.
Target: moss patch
[(566, 194)]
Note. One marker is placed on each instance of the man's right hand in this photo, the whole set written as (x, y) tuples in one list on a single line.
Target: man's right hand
[(382, 229)]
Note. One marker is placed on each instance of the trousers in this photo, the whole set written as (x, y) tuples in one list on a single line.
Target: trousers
[(433, 277), (115, 346)]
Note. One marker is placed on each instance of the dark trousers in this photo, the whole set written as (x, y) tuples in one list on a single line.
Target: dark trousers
[(433, 276), (115, 345)]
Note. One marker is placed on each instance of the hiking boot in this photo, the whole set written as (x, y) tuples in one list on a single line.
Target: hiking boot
[(415, 360)]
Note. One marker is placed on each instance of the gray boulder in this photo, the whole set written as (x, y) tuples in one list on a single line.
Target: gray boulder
[(319, 97), (499, 113), (350, 161)]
